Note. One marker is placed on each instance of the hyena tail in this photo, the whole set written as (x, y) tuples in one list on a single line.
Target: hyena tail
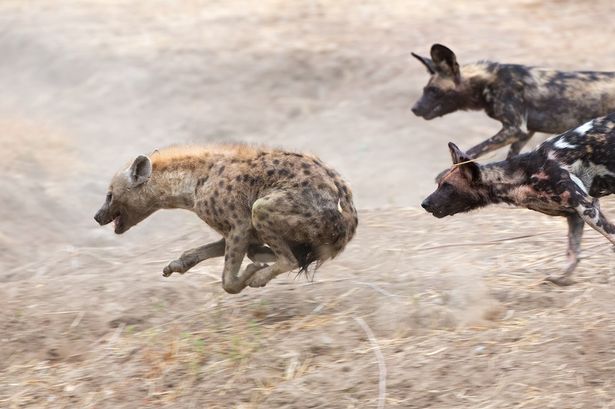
[(306, 255), (341, 229)]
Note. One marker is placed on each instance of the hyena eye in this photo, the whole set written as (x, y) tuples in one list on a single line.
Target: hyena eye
[(109, 196)]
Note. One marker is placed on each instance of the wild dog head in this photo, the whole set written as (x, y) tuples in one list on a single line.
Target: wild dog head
[(459, 190), (442, 94), (128, 199)]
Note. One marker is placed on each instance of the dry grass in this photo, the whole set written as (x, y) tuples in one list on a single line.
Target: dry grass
[(459, 320)]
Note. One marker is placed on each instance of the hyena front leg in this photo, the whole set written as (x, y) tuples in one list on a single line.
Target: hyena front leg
[(575, 233), (193, 257)]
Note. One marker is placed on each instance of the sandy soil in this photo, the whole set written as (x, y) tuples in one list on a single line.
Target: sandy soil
[(451, 313)]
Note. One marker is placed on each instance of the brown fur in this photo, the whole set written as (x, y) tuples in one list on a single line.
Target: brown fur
[(272, 205)]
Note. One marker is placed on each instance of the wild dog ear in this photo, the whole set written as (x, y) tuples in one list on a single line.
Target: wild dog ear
[(140, 170), (431, 69), (469, 169), (457, 154), (445, 60)]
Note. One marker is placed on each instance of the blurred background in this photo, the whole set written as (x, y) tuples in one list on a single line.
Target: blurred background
[(454, 304)]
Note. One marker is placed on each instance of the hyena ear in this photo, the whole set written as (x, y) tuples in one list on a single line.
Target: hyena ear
[(445, 61), (140, 170), (469, 169), (426, 62)]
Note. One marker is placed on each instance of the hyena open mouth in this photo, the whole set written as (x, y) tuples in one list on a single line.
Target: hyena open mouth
[(118, 224)]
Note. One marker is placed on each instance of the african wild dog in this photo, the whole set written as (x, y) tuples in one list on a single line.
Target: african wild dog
[(281, 207), (524, 99), (564, 176)]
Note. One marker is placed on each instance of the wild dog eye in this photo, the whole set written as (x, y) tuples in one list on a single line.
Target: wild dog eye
[(432, 90)]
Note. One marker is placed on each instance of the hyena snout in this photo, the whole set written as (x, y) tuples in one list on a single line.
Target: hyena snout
[(102, 216)]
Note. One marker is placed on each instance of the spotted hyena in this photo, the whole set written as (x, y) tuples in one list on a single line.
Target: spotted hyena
[(564, 176), (284, 208), (524, 99)]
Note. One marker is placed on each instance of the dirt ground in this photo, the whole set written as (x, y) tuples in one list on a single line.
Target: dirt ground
[(416, 313)]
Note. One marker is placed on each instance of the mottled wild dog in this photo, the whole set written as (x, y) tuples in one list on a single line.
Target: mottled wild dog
[(273, 206), (524, 99), (564, 176)]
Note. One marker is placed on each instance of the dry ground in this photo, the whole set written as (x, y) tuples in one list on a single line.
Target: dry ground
[(451, 313)]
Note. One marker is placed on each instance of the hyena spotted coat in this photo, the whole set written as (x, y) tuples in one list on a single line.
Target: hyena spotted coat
[(524, 99), (564, 176), (278, 207)]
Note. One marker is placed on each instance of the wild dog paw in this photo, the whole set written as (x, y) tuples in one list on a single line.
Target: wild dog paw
[(175, 266)]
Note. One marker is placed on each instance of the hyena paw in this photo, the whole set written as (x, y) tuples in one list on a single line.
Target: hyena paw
[(259, 279), (175, 266), (253, 268)]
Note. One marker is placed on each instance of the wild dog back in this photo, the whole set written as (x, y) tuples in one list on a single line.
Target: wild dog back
[(587, 152)]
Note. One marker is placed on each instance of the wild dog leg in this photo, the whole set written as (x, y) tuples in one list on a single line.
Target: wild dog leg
[(589, 210), (575, 233), (193, 257), (516, 147), (506, 136)]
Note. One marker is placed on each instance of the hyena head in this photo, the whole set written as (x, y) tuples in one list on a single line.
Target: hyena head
[(442, 94), (128, 200), (460, 190)]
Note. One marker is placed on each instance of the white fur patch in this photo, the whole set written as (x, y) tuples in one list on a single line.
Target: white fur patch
[(582, 130), (562, 144), (339, 206), (578, 182), (589, 172)]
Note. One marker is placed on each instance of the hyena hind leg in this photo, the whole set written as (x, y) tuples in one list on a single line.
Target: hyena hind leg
[(271, 218), (261, 254), (575, 233), (285, 262), (193, 257)]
